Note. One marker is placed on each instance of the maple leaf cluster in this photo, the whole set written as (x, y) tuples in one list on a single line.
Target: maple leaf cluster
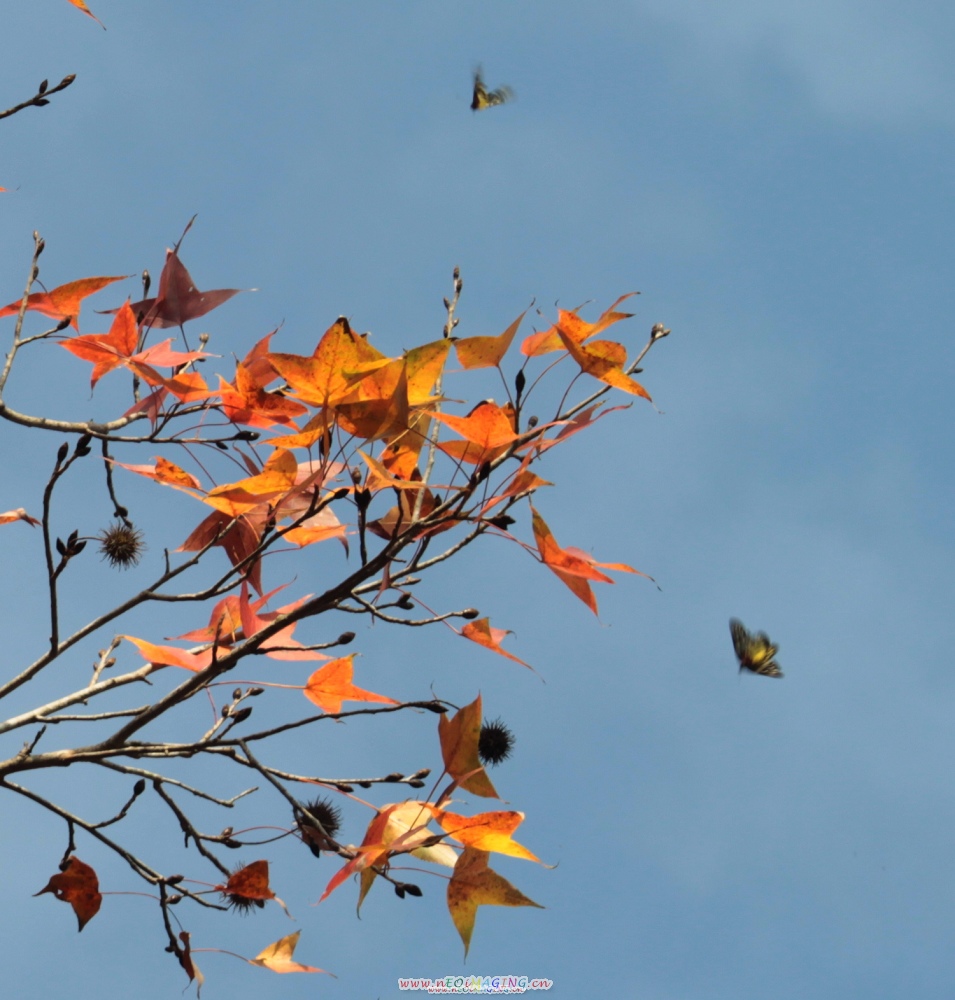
[(344, 444)]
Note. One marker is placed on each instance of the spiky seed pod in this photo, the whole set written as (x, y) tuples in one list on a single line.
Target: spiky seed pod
[(330, 817), (121, 545), (495, 742)]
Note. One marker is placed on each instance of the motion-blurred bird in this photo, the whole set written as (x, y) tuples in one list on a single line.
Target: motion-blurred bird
[(754, 652), (484, 98)]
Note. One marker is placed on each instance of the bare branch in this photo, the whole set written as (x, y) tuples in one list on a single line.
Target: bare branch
[(40, 98)]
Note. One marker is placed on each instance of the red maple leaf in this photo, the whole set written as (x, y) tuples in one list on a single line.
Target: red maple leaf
[(77, 885), (179, 300)]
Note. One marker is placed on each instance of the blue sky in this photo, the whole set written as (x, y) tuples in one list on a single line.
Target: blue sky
[(776, 181)]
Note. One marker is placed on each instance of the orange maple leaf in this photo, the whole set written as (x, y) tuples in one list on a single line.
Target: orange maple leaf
[(483, 634), (280, 646), (245, 401), (327, 376), (571, 565), (488, 431), (376, 408), (373, 849), (278, 957), (459, 738), (225, 621), (383, 402), (576, 328), (167, 473), (81, 4), (276, 478), (521, 481), (233, 619), (249, 886), (332, 684), (490, 831), (486, 352), (171, 656), (603, 359), (319, 527), (395, 829), (318, 428), (406, 831), (189, 387), (118, 347), (473, 884), (64, 301), (77, 885), (381, 477), (107, 350), (18, 515)]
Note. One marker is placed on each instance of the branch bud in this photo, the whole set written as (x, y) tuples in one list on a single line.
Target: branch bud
[(658, 330)]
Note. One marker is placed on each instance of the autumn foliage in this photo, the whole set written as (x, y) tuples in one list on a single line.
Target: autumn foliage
[(346, 449)]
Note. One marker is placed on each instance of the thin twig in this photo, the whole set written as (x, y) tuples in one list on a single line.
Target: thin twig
[(39, 99)]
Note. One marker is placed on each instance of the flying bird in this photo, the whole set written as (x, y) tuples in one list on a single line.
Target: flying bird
[(754, 652), (484, 98)]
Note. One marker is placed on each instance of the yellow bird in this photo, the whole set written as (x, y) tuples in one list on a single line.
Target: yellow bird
[(484, 98), (754, 652)]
